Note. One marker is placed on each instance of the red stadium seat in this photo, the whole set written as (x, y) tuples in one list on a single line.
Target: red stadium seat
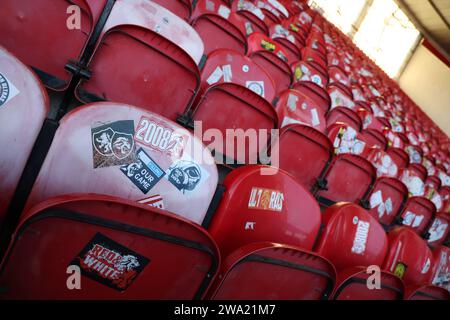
[(27, 28), (348, 178), (121, 248), (287, 41), (125, 151), (400, 157), (337, 75), (262, 203), (340, 96), (315, 92), (297, 107), (346, 139), (218, 27), (374, 138), (266, 271), (417, 213), (23, 108), (344, 115), (122, 66), (438, 229), (271, 57), (385, 199), (304, 153), (304, 71), (238, 90), (408, 257), (441, 272), (255, 20), (383, 162), (351, 237), (426, 292), (352, 285)]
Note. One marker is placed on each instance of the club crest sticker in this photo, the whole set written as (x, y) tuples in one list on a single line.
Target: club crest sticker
[(113, 144), (145, 173), (184, 175), (109, 263), (7, 90)]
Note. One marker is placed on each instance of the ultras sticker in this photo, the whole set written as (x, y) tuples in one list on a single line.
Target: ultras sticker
[(109, 263)]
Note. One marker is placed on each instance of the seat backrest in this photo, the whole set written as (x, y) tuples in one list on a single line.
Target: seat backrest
[(130, 46), (287, 41), (351, 237), (340, 96), (408, 257), (346, 139), (224, 66), (218, 26), (344, 115), (439, 229), (441, 272), (304, 71), (23, 108), (304, 153), (269, 271), (415, 153), (413, 180), (257, 207), (374, 138), (348, 178), (399, 156), (315, 92), (383, 162), (27, 28), (125, 151), (418, 213), (297, 107), (352, 285), (255, 20), (121, 249), (338, 75), (386, 198), (269, 55)]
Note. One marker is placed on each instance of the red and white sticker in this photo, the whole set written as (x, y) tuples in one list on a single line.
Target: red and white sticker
[(266, 199)]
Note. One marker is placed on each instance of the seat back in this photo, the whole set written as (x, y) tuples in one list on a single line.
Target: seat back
[(343, 115), (218, 26), (340, 96), (27, 28), (258, 207), (304, 71), (386, 198), (352, 285), (297, 107), (408, 257), (351, 237), (314, 92), (413, 181), (23, 108), (121, 249), (130, 45), (348, 178), (374, 138), (304, 153), (268, 271), (400, 157), (418, 213), (254, 18), (270, 56), (441, 272), (124, 151), (438, 229), (383, 162), (346, 139)]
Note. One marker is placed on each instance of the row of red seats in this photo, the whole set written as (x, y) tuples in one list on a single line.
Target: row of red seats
[(264, 225), (110, 137)]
